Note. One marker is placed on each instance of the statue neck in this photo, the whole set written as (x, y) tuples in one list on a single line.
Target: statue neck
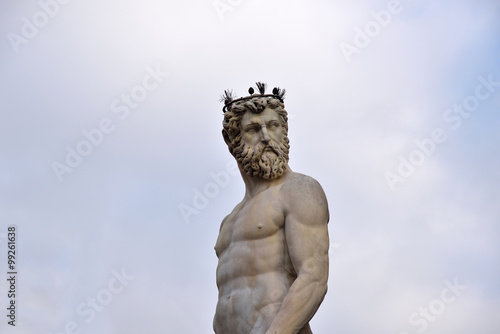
[(256, 184)]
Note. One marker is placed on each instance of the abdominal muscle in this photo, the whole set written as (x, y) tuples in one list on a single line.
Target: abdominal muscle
[(250, 304), (253, 277)]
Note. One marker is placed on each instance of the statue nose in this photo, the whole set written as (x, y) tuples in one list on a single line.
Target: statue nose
[(265, 136)]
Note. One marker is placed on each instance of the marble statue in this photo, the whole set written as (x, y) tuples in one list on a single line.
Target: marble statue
[(273, 247)]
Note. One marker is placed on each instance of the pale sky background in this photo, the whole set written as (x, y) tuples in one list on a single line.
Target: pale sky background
[(393, 250)]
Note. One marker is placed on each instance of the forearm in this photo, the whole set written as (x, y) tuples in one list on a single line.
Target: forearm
[(299, 305)]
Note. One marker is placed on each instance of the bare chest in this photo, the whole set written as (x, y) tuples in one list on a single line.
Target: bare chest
[(252, 221)]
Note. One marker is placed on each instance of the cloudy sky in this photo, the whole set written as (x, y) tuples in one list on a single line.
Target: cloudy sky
[(114, 172)]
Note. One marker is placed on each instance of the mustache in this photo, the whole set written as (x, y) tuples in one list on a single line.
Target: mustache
[(259, 150)]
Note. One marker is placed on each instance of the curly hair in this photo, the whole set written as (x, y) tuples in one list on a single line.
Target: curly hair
[(231, 125)]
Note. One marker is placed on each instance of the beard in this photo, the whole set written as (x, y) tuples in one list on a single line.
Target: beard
[(267, 161)]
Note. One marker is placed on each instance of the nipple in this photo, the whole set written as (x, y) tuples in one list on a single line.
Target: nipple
[(259, 226)]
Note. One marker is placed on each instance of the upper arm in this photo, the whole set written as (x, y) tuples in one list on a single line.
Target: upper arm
[(306, 228)]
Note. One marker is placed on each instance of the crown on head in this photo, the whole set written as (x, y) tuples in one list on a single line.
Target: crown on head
[(229, 98)]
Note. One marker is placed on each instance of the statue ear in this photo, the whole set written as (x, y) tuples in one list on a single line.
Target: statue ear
[(225, 135)]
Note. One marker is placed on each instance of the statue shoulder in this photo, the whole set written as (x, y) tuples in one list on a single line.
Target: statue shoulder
[(231, 215), (297, 181), (302, 191)]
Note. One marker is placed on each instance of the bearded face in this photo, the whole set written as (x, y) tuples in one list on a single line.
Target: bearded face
[(261, 149), (267, 161)]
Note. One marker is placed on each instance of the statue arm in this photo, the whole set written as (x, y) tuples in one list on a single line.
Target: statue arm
[(307, 240)]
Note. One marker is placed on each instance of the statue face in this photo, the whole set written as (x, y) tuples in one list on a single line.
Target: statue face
[(262, 150), (262, 129)]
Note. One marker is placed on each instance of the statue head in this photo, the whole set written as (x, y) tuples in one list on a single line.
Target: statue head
[(255, 130)]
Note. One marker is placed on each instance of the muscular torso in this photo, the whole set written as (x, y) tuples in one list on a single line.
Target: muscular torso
[(254, 271)]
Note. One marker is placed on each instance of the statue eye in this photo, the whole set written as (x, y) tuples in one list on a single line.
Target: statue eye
[(273, 125), (251, 129)]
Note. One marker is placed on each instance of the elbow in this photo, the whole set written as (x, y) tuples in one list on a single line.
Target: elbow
[(323, 289), (322, 283)]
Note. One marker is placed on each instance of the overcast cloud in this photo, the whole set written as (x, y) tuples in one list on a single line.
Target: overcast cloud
[(113, 167)]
